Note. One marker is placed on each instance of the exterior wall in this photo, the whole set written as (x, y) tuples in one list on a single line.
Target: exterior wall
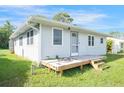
[(50, 50), (30, 51), (97, 49), (11, 45), (43, 47), (116, 47)]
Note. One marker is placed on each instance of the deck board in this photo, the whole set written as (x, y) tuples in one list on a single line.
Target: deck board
[(71, 62)]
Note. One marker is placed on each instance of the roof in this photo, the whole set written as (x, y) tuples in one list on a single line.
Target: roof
[(37, 19), (116, 39)]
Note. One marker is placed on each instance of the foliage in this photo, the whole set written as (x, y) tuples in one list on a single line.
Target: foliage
[(117, 34), (109, 45), (5, 31), (63, 17), (121, 51), (16, 71), (114, 32), (41, 16)]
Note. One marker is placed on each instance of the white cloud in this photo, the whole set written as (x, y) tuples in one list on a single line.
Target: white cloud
[(20, 13), (87, 18)]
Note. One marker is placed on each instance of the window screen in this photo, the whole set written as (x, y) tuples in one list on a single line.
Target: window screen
[(57, 37), (90, 40), (21, 41), (101, 40)]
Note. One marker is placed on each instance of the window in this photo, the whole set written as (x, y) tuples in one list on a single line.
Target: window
[(122, 45), (101, 40), (27, 38), (37, 26), (21, 41), (57, 37), (90, 40), (74, 34), (30, 37)]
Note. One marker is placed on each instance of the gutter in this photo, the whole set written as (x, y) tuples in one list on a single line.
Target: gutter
[(28, 24), (56, 23), (31, 20)]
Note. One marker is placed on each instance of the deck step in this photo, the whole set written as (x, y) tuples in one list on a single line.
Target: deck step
[(99, 64), (105, 67), (96, 60)]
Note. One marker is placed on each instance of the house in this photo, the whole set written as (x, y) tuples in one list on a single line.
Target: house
[(117, 45), (39, 38)]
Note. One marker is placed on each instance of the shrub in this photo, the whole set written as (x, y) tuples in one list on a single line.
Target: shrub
[(109, 46)]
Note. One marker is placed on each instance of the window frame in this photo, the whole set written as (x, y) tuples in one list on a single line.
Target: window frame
[(101, 40), (91, 42), (30, 37), (121, 45), (53, 36)]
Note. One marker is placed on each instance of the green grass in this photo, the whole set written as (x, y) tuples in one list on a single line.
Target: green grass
[(16, 71)]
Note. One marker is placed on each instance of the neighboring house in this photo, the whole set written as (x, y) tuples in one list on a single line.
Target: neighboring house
[(117, 46), (40, 38)]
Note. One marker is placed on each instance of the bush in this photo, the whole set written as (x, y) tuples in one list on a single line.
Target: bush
[(109, 46), (121, 51)]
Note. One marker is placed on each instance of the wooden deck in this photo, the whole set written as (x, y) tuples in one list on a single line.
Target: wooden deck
[(71, 62)]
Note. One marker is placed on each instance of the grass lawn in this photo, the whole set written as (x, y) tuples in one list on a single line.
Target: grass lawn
[(16, 71)]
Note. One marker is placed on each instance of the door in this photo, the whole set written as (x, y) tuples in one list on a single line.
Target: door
[(74, 44)]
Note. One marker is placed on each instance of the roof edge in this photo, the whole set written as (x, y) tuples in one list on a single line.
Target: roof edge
[(41, 20)]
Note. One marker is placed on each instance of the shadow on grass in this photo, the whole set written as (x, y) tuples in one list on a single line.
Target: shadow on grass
[(74, 71), (113, 57), (14, 73), (2, 55)]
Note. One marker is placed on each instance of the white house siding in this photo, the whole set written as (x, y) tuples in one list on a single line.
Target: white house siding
[(97, 49), (43, 47), (30, 51), (50, 50), (116, 47)]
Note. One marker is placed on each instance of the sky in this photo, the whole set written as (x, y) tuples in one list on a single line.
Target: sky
[(100, 18)]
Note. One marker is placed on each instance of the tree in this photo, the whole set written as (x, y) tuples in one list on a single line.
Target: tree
[(63, 17), (5, 31), (41, 16), (117, 34), (109, 45)]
